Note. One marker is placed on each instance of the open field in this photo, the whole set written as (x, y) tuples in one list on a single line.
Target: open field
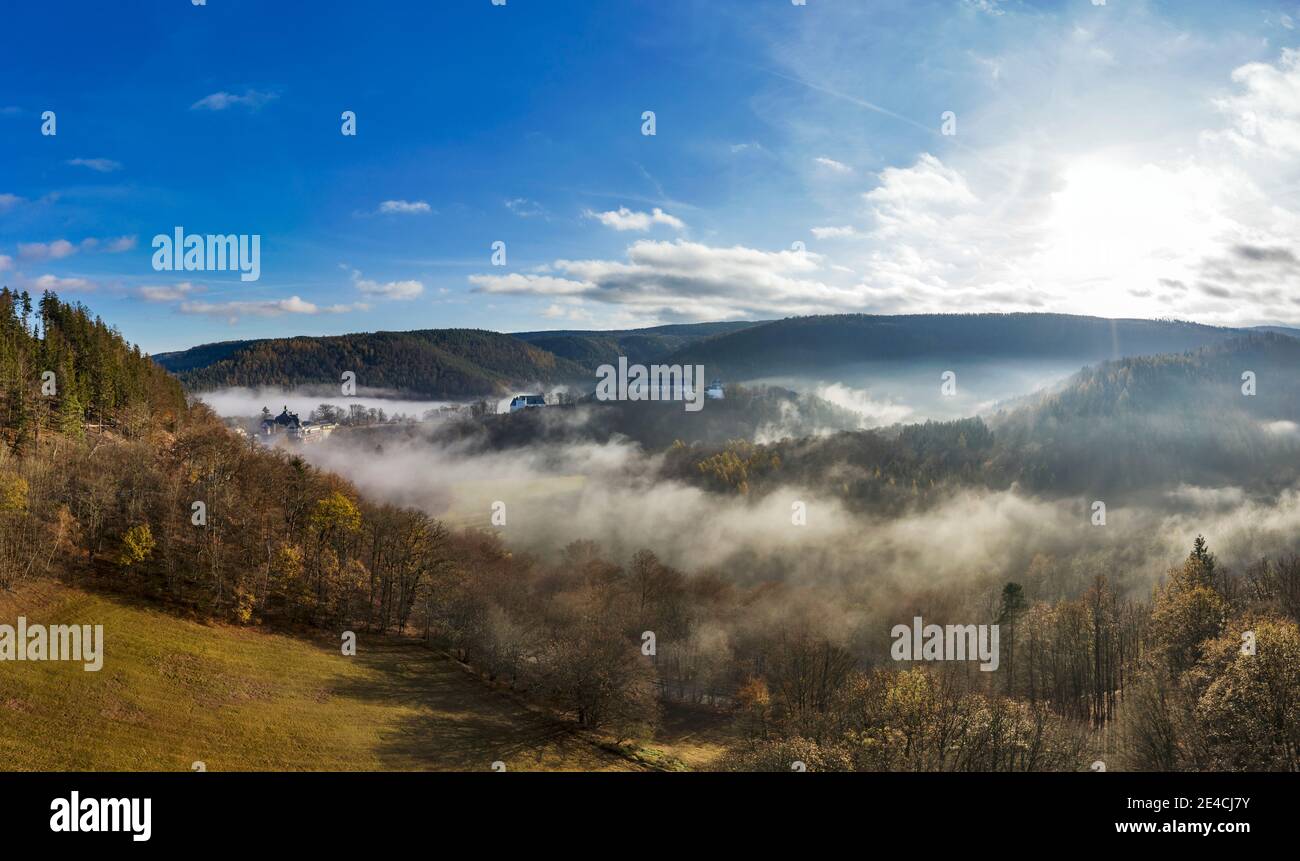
[(172, 692)]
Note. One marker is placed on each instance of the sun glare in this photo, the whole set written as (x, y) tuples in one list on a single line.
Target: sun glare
[(1115, 229)]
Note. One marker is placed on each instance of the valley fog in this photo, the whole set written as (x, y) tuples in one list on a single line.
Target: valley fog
[(610, 493), (567, 488), (248, 402), (885, 393)]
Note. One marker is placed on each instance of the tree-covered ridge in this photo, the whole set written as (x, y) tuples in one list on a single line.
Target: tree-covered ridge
[(803, 344), (450, 363), (1152, 420), (455, 363), (645, 346), (437, 363), (588, 351), (97, 376), (1184, 383), (1143, 422)]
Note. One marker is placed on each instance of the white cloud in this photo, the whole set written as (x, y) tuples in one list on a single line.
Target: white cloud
[(404, 207), (1264, 114), (6, 263), (251, 99), (833, 166), (388, 289), (9, 201), (537, 285), (120, 244), (989, 7), (102, 165), (56, 250), (166, 293), (64, 285), (61, 248), (920, 192), (525, 208), (623, 219), (843, 232), (232, 311), (688, 280)]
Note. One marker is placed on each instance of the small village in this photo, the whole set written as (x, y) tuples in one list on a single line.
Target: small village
[(290, 427)]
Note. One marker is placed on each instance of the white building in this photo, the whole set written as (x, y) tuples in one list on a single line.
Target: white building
[(526, 402)]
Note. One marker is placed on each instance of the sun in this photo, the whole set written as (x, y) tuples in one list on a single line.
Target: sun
[(1115, 229)]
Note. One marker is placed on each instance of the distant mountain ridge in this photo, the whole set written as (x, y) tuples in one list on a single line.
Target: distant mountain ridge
[(465, 363), (435, 363), (798, 345), (594, 348), (438, 363)]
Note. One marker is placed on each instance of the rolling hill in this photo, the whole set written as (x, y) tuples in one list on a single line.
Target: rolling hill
[(437, 363), (802, 345), (173, 692), (1147, 424), (465, 363), (594, 348), (1161, 421)]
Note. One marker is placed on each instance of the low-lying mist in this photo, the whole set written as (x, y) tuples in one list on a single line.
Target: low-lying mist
[(885, 393), (245, 402), (610, 492), (594, 472)]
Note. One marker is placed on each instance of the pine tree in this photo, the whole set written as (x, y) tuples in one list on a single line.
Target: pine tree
[(1203, 558), (1012, 606)]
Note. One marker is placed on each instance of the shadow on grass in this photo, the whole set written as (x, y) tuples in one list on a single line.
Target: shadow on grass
[(460, 724)]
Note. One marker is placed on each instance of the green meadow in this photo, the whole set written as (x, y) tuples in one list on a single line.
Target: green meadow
[(173, 692)]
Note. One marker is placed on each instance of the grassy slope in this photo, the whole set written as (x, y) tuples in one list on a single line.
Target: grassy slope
[(173, 691)]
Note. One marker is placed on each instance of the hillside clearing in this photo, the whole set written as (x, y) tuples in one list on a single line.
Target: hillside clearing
[(174, 692)]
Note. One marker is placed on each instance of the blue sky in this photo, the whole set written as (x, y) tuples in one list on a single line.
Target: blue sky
[(1131, 159)]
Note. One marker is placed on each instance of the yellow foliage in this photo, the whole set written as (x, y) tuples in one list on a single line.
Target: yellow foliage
[(336, 513), (137, 545), (13, 494)]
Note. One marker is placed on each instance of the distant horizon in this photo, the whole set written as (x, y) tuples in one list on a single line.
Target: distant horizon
[(714, 322)]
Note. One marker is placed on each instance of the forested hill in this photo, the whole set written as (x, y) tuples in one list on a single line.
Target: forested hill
[(442, 363), (801, 345), (458, 363), (1190, 384), (1149, 424), (97, 376), (439, 363), (594, 348), (1165, 420)]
